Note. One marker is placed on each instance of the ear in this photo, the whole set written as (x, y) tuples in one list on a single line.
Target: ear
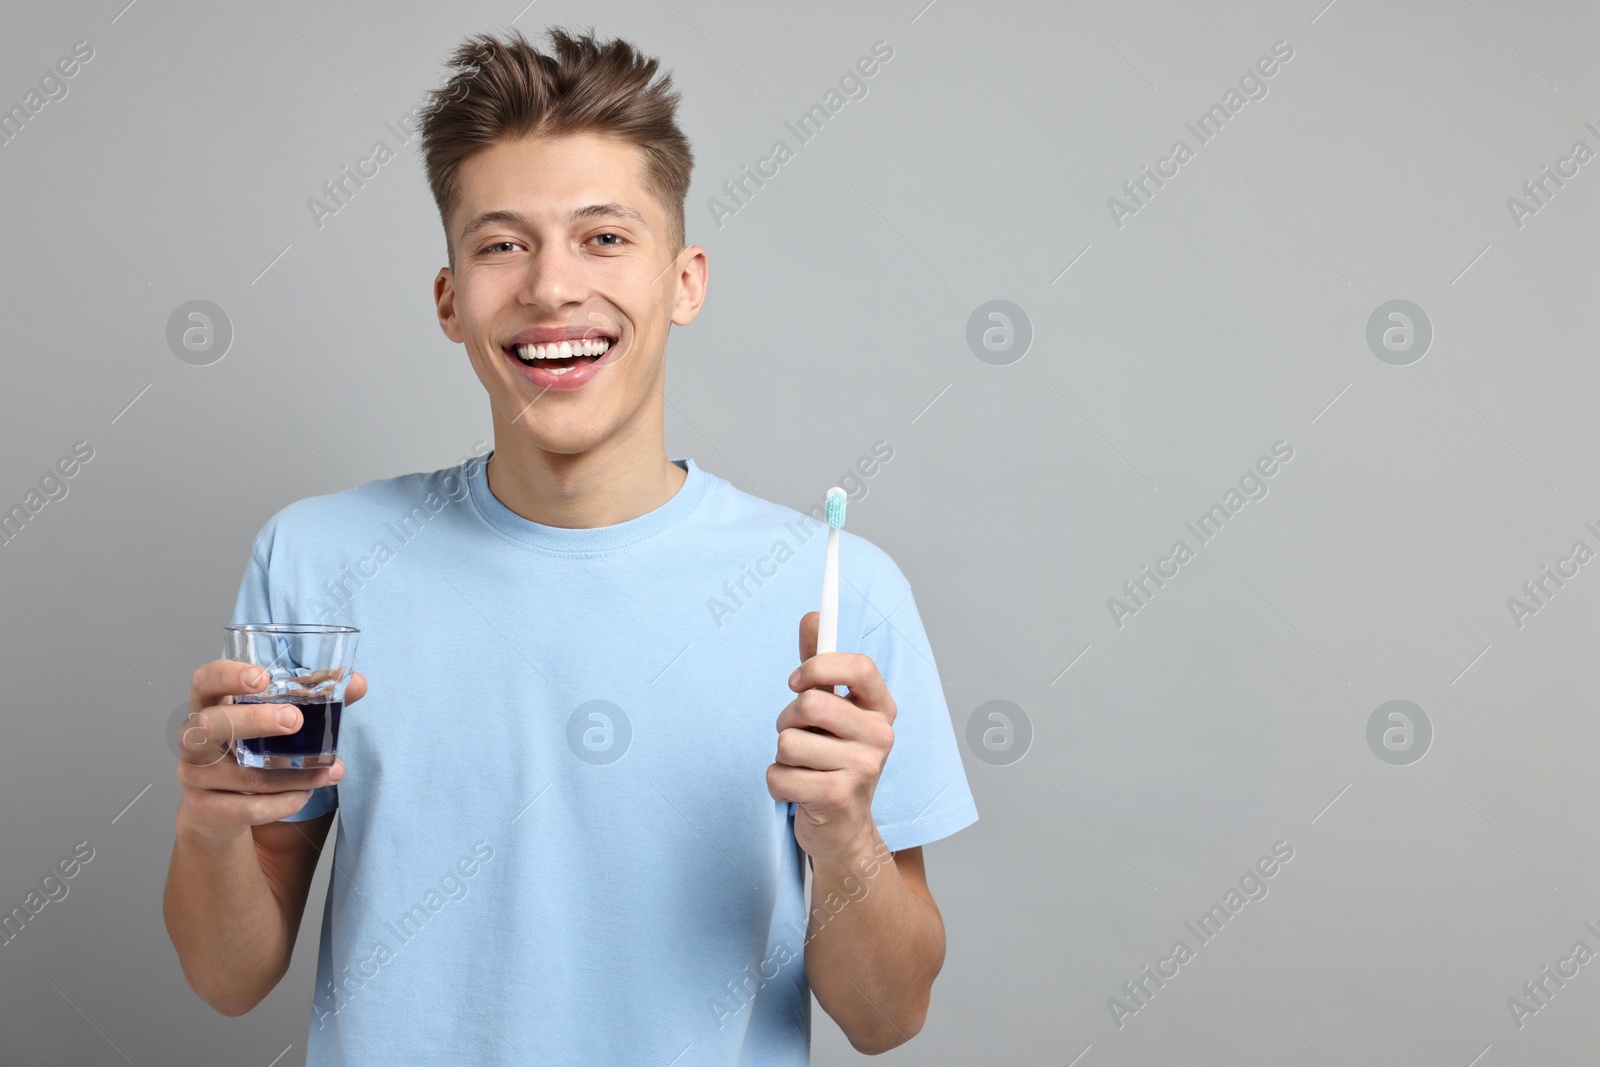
[(692, 268), (444, 299)]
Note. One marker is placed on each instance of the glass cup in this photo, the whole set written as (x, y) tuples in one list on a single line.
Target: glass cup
[(309, 665)]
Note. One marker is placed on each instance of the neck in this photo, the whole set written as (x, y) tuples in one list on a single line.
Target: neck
[(603, 486)]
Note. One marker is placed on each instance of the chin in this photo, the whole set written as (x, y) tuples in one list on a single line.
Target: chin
[(564, 440)]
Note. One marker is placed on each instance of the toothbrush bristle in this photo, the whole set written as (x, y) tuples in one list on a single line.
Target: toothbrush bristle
[(836, 501)]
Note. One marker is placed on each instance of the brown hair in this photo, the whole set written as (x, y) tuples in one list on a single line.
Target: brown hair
[(506, 88)]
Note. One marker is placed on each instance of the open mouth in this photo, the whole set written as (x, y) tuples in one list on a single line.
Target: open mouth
[(561, 357)]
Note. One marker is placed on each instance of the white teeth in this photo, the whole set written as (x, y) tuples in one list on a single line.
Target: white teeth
[(563, 350)]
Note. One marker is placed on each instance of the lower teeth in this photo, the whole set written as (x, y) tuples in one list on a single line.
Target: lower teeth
[(559, 366)]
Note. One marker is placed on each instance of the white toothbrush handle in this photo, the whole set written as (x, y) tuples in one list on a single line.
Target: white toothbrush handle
[(828, 623), (828, 616)]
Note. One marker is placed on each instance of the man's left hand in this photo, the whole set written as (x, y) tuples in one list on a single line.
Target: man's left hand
[(831, 750)]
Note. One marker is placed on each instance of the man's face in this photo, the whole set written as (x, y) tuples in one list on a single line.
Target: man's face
[(557, 239)]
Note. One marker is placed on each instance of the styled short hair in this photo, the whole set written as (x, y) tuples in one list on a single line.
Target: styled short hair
[(506, 88)]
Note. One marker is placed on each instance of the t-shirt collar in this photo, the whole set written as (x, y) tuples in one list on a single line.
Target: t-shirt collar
[(594, 540)]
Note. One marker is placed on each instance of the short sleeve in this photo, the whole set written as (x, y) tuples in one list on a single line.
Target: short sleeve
[(254, 604), (923, 793)]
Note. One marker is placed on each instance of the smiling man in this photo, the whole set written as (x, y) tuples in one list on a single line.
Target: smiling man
[(576, 813)]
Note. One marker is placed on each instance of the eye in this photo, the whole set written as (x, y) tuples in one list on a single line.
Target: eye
[(500, 244), (615, 242)]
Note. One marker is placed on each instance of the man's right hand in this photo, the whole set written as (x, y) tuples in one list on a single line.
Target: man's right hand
[(221, 798)]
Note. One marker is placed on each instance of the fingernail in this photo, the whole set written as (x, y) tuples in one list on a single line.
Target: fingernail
[(254, 677), (795, 677), (286, 716)]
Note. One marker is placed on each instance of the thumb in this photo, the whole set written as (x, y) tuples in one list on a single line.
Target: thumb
[(809, 622), (357, 687)]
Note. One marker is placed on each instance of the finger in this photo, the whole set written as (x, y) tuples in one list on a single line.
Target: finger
[(859, 672), (229, 776), (808, 634), (819, 710), (815, 752), (312, 682), (317, 677), (800, 785), (223, 677), (792, 784), (354, 690), (217, 808), (206, 733)]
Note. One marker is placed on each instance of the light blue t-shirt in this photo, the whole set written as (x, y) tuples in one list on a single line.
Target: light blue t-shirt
[(555, 842)]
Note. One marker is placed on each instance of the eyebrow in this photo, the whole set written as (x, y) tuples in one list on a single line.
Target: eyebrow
[(516, 218)]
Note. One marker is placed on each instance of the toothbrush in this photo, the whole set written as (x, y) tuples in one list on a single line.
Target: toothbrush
[(828, 621), (828, 617)]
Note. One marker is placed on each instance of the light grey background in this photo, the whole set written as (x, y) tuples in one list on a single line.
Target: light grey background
[(1229, 313)]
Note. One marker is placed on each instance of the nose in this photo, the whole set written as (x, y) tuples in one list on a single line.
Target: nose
[(555, 279)]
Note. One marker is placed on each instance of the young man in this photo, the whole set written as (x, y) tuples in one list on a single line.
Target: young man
[(575, 798)]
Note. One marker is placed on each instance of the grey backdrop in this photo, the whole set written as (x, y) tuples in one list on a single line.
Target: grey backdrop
[(1173, 343)]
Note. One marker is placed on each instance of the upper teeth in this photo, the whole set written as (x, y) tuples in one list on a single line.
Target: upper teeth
[(564, 349)]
